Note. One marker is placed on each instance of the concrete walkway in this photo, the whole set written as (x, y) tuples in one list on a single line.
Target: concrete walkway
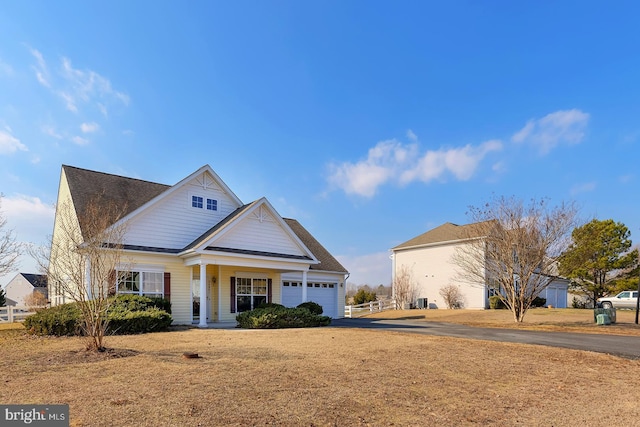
[(623, 346)]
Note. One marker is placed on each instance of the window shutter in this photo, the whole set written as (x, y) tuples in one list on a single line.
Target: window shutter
[(233, 295), (112, 283), (167, 286), (269, 287)]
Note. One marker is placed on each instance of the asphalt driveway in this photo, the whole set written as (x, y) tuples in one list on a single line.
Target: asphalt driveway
[(623, 346)]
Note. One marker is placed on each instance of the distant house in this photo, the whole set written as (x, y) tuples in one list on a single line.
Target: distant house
[(23, 285), (196, 244), (429, 258)]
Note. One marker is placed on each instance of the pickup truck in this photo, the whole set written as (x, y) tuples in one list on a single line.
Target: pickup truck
[(625, 299)]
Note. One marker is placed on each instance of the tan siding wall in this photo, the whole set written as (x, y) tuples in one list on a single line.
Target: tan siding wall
[(225, 288)]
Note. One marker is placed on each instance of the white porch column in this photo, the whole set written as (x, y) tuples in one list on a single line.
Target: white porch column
[(203, 295), (304, 286)]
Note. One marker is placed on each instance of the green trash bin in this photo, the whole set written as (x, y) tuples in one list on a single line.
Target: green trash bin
[(610, 312)]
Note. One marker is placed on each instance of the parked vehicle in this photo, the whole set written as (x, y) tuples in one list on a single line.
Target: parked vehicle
[(625, 299)]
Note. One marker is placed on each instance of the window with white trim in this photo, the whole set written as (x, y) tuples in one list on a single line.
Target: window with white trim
[(250, 293), (196, 202), (147, 283), (212, 205)]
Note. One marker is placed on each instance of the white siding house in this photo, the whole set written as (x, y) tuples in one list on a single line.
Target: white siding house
[(25, 284), (196, 244), (429, 258)]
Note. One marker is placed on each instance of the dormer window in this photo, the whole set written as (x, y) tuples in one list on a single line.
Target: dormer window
[(201, 202), (196, 202)]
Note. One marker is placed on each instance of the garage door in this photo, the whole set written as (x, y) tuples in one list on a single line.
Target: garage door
[(325, 294), (291, 293)]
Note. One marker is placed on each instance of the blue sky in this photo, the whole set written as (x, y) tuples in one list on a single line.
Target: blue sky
[(370, 122)]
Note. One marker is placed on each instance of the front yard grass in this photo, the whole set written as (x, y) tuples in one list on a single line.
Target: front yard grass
[(317, 377)]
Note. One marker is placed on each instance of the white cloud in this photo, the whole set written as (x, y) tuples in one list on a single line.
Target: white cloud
[(29, 217), (383, 163), (412, 136), (79, 140), (392, 161), (41, 70), (89, 127), (564, 126), (10, 144), (583, 188), (32, 222), (370, 269), (77, 87), (51, 131)]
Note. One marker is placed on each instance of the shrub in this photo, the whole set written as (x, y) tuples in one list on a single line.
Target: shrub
[(138, 322), (363, 296), (280, 317), (496, 303), (538, 302), (270, 304), (128, 314), (313, 307), (129, 302), (60, 320)]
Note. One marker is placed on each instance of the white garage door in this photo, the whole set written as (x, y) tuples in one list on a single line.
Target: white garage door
[(291, 293), (323, 293)]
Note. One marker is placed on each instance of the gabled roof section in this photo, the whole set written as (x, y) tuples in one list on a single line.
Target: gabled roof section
[(219, 226), (128, 194), (260, 207), (37, 280), (446, 232), (200, 172), (327, 261)]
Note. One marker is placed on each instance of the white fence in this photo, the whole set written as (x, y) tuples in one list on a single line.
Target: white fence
[(368, 307), (14, 314)]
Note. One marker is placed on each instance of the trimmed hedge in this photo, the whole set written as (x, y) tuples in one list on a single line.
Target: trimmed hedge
[(313, 307), (139, 322), (128, 314), (61, 320), (280, 317)]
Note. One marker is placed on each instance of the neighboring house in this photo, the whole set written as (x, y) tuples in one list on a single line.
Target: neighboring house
[(196, 244), (429, 258), (25, 284)]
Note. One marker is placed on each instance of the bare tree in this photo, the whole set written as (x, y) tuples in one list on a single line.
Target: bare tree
[(404, 287), (85, 251), (10, 250), (452, 296), (35, 300), (514, 249)]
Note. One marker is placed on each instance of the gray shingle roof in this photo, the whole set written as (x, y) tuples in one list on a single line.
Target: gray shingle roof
[(129, 194), (445, 233), (327, 261)]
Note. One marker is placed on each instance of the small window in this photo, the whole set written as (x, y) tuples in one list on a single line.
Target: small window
[(294, 284), (285, 283), (309, 285), (212, 205), (324, 285), (196, 202), (332, 285), (317, 285)]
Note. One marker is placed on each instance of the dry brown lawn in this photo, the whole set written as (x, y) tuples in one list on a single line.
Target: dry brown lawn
[(318, 377)]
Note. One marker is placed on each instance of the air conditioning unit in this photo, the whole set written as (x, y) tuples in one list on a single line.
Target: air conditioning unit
[(423, 303)]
